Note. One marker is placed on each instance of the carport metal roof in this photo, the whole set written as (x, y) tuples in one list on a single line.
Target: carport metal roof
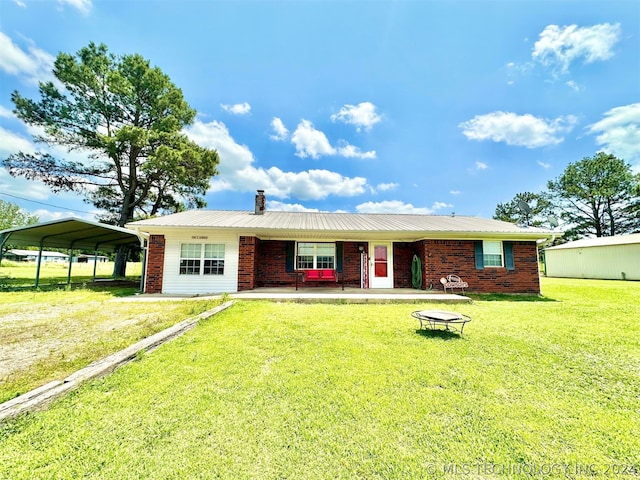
[(70, 233)]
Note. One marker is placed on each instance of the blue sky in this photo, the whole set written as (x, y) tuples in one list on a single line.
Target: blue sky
[(427, 107)]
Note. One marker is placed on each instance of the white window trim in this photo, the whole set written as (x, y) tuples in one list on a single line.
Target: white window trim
[(202, 259), (484, 253), (315, 255)]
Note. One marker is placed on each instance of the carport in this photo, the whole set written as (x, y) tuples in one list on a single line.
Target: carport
[(72, 233)]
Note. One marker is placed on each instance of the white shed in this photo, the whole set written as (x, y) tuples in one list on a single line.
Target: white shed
[(610, 258)]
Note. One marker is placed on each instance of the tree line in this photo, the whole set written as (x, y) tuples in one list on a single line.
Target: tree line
[(596, 196)]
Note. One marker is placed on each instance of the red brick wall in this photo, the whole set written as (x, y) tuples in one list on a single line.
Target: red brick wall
[(402, 258), (272, 263), (262, 263), (155, 264), (247, 263), (351, 263), (444, 257)]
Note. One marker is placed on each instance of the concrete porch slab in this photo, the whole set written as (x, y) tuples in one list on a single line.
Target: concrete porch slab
[(349, 295)]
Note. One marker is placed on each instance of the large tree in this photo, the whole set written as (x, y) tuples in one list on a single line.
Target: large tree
[(11, 215), (598, 196), (126, 118), (526, 209)]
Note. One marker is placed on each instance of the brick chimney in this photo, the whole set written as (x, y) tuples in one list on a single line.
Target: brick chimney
[(261, 202)]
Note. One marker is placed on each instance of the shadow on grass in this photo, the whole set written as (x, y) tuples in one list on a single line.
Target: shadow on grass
[(119, 289), (509, 297), (439, 333)]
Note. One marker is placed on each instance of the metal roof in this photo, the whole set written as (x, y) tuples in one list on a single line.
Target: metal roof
[(35, 253), (71, 233), (273, 223), (600, 242)]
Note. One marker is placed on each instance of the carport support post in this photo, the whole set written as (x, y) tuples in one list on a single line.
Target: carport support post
[(69, 272), (38, 266), (95, 264), (3, 240)]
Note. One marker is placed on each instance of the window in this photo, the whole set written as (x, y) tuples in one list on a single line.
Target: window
[(196, 260), (316, 255), (190, 259), (492, 254), (213, 259)]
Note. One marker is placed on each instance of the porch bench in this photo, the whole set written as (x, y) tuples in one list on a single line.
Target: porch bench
[(453, 281), (318, 275)]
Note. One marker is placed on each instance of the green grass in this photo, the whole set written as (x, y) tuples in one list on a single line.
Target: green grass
[(286, 390), (48, 335), (22, 275)]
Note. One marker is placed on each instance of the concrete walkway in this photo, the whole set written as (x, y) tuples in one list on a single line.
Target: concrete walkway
[(322, 295)]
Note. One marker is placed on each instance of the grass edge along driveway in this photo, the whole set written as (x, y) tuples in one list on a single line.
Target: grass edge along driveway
[(267, 390)]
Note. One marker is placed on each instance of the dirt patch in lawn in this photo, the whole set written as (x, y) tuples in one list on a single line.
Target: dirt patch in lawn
[(44, 341)]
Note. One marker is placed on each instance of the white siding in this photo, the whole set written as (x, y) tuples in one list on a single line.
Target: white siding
[(606, 262), (174, 283)]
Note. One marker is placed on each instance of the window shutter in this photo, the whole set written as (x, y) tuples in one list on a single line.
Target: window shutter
[(290, 249), (508, 256), (479, 257), (339, 256)]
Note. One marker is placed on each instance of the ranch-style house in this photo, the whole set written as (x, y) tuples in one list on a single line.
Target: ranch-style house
[(216, 251)]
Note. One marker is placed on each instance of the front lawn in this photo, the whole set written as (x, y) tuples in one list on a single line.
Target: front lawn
[(48, 335), (537, 388)]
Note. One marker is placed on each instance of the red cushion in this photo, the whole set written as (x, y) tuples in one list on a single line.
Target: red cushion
[(313, 274)]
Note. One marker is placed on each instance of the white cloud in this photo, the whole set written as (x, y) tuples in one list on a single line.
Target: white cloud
[(518, 130), (362, 115), (619, 132), (84, 6), (350, 151), (573, 85), (20, 3), (11, 142), (310, 142), (34, 65), (396, 206), (45, 215), (6, 113), (276, 206), (543, 164), (481, 166), (237, 109), (455, 192), (558, 47), (238, 173), (280, 131), (385, 187), (19, 186)]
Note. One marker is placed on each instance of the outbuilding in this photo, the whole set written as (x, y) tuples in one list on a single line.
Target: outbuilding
[(610, 258), (213, 251), (19, 255)]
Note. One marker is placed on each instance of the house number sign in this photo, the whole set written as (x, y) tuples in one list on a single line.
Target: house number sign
[(199, 237)]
